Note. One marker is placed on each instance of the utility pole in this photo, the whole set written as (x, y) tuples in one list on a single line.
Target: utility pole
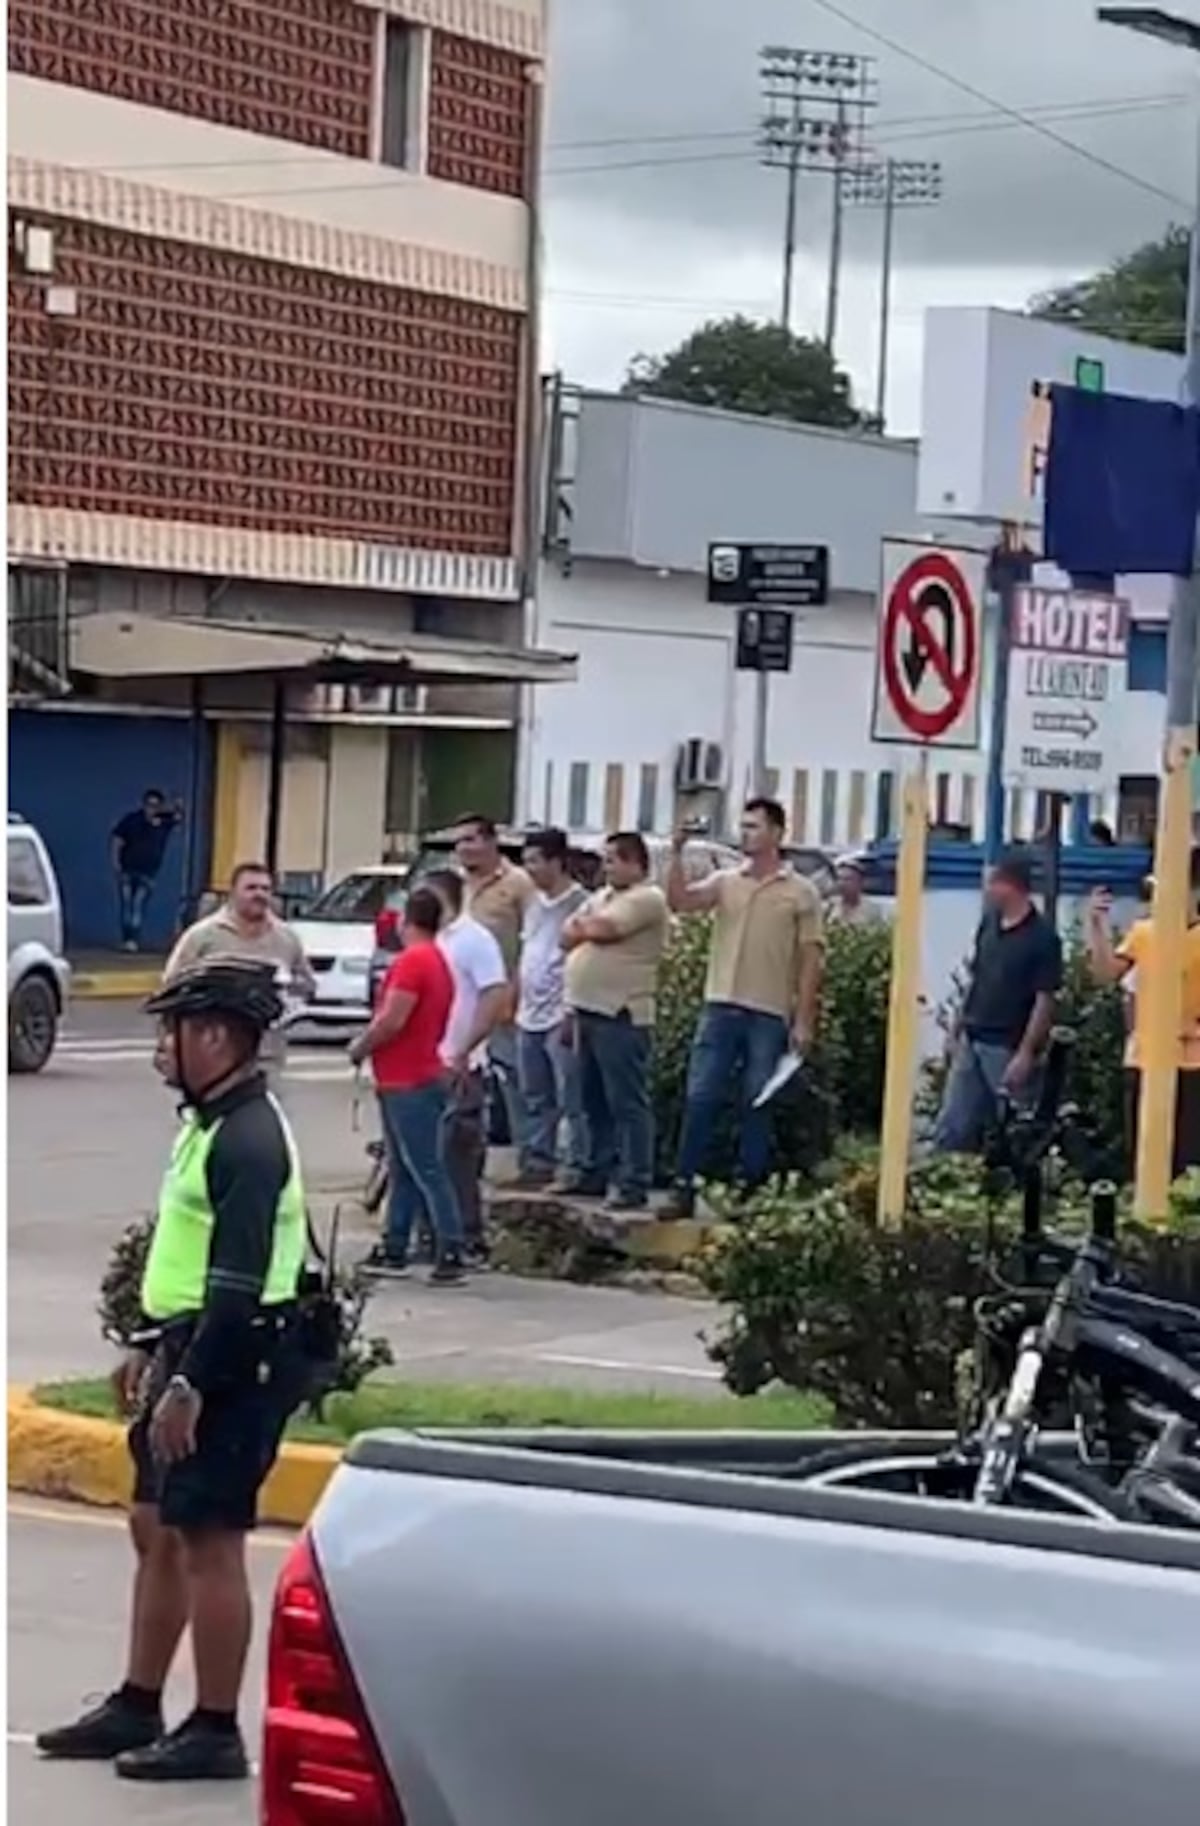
[(816, 111), (888, 185), (1163, 989)]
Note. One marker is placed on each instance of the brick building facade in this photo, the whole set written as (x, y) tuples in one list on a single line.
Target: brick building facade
[(270, 319)]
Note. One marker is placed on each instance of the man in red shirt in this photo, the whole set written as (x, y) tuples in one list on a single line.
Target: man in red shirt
[(403, 1044)]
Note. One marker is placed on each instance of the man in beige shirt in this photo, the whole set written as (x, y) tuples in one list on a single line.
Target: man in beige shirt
[(614, 946), (248, 927), (764, 975), (497, 895)]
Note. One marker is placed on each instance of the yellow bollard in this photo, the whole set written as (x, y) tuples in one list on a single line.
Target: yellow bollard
[(1163, 988), (904, 1002)]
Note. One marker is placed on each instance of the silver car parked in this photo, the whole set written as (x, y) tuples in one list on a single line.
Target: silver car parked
[(38, 973)]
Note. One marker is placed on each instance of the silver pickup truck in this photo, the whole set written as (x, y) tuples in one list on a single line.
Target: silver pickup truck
[(597, 1630)]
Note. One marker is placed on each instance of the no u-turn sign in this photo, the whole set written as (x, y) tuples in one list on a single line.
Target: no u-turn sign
[(929, 645)]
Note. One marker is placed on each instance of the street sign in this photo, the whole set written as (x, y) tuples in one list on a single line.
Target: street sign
[(928, 652), (764, 640), (1069, 653), (756, 576)]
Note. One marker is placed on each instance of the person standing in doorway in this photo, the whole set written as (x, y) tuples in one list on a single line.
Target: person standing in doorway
[(1015, 977), (614, 946), (497, 895), (139, 846), (482, 1002), (851, 907), (760, 999), (247, 927), (547, 1063), (1134, 956), (404, 1042)]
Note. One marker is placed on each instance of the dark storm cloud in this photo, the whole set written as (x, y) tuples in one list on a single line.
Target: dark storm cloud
[(628, 68)]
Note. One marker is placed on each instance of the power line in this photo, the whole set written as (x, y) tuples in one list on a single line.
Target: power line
[(1016, 114)]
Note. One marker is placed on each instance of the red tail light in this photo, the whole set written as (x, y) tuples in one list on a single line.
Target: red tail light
[(387, 928), (321, 1764)]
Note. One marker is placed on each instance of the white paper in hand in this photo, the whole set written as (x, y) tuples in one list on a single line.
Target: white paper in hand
[(784, 1072)]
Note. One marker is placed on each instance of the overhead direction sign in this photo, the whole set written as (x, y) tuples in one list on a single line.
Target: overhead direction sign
[(764, 576), (1067, 675), (929, 644)]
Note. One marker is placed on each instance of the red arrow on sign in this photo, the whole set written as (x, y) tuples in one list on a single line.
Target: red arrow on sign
[(931, 588)]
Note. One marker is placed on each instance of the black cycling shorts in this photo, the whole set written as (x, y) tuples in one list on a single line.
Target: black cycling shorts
[(237, 1442)]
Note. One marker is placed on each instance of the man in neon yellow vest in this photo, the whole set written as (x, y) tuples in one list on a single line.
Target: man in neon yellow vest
[(212, 1390)]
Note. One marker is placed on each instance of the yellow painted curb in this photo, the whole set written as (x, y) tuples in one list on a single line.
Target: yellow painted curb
[(71, 1459), (113, 985)]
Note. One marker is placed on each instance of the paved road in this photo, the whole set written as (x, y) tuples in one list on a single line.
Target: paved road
[(87, 1140), (68, 1573)]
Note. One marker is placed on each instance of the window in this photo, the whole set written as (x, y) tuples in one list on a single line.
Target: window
[(941, 799), (647, 810), (399, 142), (968, 802), (614, 796), (27, 884), (829, 797), (577, 796), (884, 806), (1137, 808), (357, 897), (800, 805), (858, 805)]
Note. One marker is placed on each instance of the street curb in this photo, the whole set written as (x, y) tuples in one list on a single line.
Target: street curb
[(113, 985), (72, 1459)]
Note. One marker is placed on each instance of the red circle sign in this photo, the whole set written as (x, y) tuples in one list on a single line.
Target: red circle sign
[(931, 616)]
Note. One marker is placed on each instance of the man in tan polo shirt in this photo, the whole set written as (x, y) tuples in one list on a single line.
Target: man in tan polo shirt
[(764, 976), (497, 894), (613, 947)]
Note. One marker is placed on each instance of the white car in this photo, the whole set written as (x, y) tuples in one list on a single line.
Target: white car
[(38, 973), (338, 935)]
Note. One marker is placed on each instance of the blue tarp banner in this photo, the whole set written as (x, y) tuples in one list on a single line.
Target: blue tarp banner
[(1122, 484)]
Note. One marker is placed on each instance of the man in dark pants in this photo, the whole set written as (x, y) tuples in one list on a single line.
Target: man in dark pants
[(139, 845), (614, 946), (1016, 974), (213, 1393)]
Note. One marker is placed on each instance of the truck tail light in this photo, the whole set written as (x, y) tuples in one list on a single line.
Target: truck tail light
[(321, 1764)]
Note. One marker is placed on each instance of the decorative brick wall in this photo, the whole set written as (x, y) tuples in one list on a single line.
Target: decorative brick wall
[(294, 69), (478, 115), (203, 386)]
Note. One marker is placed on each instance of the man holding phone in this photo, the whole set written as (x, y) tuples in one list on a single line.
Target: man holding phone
[(1117, 963)]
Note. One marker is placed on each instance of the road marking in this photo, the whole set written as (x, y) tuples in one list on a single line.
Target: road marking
[(272, 1540), (570, 1361), (309, 1070)]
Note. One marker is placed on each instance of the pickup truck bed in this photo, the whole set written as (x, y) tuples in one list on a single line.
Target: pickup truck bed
[(590, 1630)]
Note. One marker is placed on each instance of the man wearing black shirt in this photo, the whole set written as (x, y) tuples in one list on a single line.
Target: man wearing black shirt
[(213, 1383), (139, 844), (1016, 973)]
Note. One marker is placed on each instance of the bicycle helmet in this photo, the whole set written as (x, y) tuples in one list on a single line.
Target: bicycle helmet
[(239, 987)]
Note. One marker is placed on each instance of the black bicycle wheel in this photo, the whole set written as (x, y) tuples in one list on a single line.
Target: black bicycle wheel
[(1055, 1489)]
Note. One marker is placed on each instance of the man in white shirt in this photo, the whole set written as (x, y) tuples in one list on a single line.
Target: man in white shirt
[(547, 1063), (482, 1000)]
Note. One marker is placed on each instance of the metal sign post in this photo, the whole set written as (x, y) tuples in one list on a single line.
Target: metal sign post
[(764, 583), (926, 696)]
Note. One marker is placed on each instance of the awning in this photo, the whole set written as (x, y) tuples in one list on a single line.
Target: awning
[(117, 646)]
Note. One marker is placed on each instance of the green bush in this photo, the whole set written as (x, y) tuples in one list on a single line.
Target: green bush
[(119, 1309), (818, 1297), (842, 1089)]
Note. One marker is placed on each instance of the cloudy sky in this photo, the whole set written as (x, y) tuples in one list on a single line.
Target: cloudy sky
[(659, 215)]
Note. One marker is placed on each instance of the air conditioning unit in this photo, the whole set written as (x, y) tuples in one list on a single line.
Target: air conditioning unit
[(35, 246), (699, 765), (370, 700)]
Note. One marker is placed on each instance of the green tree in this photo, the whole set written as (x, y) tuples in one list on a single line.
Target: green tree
[(745, 366), (1142, 298)]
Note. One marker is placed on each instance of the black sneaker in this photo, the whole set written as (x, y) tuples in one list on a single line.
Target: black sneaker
[(450, 1271), (195, 1752), (679, 1206), (385, 1267), (101, 1735), (626, 1201)]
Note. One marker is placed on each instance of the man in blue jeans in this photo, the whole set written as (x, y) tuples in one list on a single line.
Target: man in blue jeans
[(764, 975), (547, 1063), (404, 1044), (614, 946)]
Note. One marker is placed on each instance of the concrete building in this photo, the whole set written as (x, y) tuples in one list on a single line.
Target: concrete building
[(638, 488), (271, 313)]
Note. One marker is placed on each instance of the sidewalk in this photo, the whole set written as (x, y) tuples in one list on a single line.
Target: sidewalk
[(98, 976)]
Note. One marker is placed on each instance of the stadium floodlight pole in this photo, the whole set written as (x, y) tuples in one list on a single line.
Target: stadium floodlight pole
[(816, 110), (890, 184), (1164, 987)]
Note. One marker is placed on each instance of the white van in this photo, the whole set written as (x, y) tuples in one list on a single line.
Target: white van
[(38, 973)]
